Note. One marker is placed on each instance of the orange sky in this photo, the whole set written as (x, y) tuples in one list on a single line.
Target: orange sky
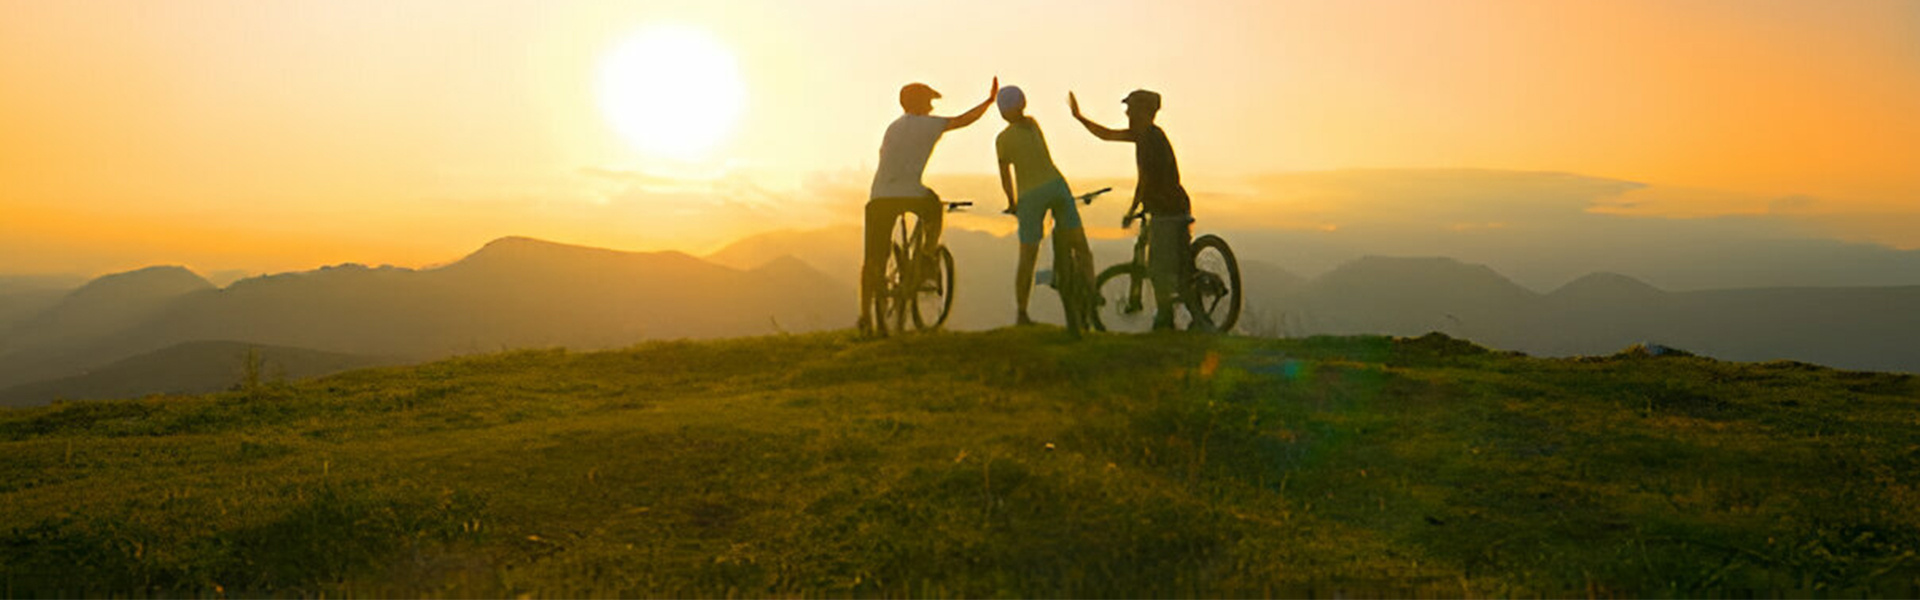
[(295, 133)]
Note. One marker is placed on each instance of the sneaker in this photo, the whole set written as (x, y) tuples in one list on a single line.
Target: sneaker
[(1202, 324)]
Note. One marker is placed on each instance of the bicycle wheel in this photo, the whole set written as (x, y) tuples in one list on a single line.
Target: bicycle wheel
[(889, 301), (932, 298), (1065, 277), (1129, 298), (1077, 296), (1216, 282)]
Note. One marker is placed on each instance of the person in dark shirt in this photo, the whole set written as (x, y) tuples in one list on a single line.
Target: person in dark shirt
[(1159, 196)]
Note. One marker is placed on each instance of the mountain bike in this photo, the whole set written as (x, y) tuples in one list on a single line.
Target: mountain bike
[(1078, 299), (1211, 288), (915, 280)]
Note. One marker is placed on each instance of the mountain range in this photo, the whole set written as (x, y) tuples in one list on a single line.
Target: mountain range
[(1854, 327), (512, 293), (105, 337)]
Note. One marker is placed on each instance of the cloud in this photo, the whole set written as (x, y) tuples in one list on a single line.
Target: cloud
[(1409, 199)]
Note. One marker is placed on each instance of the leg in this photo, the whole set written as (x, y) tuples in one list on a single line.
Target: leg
[(1069, 234), (1031, 212), (932, 218), (1183, 275), (1165, 252), (1023, 280), (879, 226)]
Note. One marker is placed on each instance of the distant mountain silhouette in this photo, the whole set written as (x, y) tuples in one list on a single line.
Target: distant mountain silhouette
[(17, 305), (10, 284), (103, 307), (189, 368), (834, 251), (1539, 229), (1594, 314), (1604, 288), (1410, 296), (1853, 327), (512, 293), (521, 292)]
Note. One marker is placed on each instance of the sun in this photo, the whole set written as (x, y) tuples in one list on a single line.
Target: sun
[(671, 91)]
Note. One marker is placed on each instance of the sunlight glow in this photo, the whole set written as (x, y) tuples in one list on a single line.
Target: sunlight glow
[(671, 91)]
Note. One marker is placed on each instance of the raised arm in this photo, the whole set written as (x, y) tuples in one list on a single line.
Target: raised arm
[(967, 118), (1098, 130)]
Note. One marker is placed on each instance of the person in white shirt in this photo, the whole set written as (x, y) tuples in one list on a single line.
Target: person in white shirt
[(896, 181)]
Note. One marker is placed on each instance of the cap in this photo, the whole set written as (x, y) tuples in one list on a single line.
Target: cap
[(917, 91), (1145, 98), (1011, 98)]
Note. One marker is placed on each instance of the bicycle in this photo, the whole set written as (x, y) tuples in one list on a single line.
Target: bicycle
[(1078, 302), (1211, 288), (914, 281)]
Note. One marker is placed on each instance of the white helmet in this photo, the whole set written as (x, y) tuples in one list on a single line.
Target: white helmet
[(1011, 98)]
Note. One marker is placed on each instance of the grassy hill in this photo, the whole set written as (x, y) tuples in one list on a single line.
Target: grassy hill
[(189, 368), (1010, 462)]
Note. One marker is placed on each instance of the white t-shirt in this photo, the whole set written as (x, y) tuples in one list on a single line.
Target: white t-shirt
[(903, 156)]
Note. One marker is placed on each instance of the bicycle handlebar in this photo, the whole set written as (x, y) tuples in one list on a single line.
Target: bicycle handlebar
[(955, 206), (1088, 197)]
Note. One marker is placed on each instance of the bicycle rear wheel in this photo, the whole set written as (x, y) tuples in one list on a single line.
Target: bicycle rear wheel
[(1078, 299), (1129, 298), (1216, 282), (932, 297)]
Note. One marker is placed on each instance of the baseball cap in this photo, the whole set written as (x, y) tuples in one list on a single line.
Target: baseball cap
[(914, 91), (1011, 98), (1148, 99)]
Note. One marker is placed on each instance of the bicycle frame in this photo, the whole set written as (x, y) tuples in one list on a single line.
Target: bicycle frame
[(911, 255), (1078, 297)]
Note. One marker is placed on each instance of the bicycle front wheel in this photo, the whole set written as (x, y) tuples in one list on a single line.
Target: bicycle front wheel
[(1216, 282), (932, 298), (889, 301), (1128, 296)]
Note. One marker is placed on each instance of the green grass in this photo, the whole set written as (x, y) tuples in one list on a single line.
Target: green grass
[(1005, 463)]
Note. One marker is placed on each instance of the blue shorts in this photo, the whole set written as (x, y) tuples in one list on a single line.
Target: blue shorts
[(1034, 204)]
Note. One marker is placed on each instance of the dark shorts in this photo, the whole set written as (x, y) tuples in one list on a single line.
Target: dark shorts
[(881, 213), (1168, 239)]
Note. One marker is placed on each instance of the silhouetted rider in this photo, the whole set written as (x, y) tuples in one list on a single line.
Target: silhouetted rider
[(1025, 160), (1169, 210), (896, 181)]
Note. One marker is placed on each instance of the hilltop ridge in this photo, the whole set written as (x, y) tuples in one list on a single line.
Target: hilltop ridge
[(1014, 462)]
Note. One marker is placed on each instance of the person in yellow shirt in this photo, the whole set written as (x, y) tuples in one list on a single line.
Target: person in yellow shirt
[(1027, 166)]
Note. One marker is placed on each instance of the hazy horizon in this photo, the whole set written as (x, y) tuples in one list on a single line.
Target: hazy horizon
[(1541, 229)]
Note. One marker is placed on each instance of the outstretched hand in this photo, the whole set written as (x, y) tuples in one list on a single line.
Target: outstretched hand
[(1074, 104), (994, 93)]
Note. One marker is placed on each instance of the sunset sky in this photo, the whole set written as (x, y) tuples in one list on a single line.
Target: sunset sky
[(291, 134)]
